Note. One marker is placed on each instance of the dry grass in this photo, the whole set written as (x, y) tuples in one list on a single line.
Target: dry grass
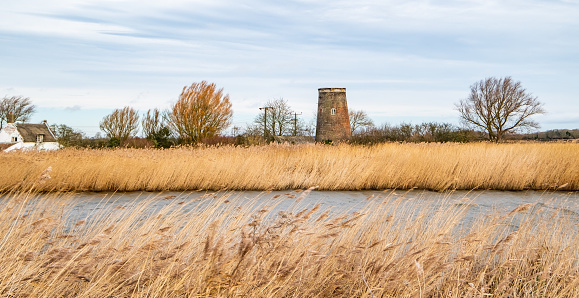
[(224, 247), (386, 166)]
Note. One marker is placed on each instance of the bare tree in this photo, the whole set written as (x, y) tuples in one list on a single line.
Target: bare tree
[(359, 120), (201, 111), (153, 122), (67, 136), (280, 118), (156, 129), (121, 124), (302, 128), (498, 106), (21, 107)]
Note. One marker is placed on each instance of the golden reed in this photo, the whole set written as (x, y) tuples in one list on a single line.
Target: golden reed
[(518, 166), (230, 247)]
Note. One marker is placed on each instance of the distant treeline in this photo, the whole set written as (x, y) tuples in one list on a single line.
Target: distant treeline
[(425, 132), (405, 132), (551, 135), (69, 137), (446, 132)]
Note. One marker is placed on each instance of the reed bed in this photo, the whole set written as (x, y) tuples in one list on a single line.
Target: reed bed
[(226, 247), (519, 166)]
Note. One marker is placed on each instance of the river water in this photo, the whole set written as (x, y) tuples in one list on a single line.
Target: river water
[(477, 202), (81, 206)]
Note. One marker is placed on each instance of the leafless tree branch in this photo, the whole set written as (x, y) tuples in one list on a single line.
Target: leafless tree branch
[(499, 106), (359, 120), (21, 107), (121, 124)]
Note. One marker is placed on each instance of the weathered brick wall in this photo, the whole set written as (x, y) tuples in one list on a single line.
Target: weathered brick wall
[(332, 127)]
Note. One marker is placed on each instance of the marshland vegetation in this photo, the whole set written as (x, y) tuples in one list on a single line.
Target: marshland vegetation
[(433, 166), (391, 247), (222, 246)]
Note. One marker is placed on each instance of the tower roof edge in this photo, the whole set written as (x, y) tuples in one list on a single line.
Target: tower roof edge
[(331, 89)]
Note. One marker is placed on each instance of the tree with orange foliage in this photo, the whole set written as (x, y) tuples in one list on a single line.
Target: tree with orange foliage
[(202, 111)]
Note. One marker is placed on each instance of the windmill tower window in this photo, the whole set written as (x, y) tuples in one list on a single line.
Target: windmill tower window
[(333, 111)]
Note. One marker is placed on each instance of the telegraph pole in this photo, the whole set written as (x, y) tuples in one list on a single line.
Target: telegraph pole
[(296, 123), (265, 121)]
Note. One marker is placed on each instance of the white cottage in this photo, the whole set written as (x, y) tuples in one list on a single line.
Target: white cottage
[(24, 136)]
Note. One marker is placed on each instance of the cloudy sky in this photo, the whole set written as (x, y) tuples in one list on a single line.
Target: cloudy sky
[(401, 61)]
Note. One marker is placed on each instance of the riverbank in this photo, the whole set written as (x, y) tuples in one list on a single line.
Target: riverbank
[(216, 247), (519, 166)]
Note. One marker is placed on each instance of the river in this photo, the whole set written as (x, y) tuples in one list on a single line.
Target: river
[(475, 203)]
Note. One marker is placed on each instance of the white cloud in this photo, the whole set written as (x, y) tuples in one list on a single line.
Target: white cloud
[(422, 54)]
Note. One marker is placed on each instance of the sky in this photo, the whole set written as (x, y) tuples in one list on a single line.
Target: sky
[(400, 61)]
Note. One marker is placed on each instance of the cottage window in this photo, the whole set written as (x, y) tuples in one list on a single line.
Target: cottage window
[(39, 138), (14, 139), (333, 111)]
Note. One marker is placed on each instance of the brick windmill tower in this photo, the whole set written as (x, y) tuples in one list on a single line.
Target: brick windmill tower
[(333, 120)]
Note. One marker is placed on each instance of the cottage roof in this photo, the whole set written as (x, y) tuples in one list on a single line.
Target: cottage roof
[(30, 131)]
